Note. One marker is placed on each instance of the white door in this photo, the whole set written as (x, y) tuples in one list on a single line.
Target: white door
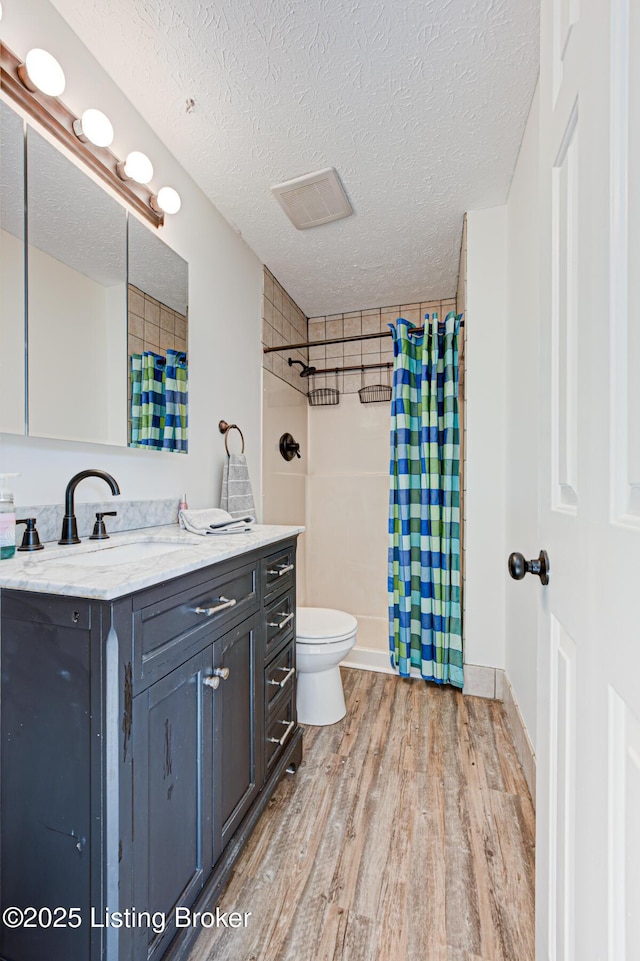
[(588, 796)]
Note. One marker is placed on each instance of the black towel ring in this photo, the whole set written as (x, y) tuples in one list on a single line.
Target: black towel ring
[(224, 428)]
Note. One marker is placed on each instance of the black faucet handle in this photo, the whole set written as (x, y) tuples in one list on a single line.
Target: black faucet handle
[(30, 538), (99, 530)]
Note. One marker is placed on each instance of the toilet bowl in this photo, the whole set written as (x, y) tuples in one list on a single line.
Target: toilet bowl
[(324, 637)]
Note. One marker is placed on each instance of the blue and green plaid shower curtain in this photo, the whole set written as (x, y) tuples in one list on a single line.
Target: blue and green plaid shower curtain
[(159, 400), (174, 435), (425, 624)]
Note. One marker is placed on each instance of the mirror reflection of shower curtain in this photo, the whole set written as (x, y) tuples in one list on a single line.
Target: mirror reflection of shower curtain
[(425, 623), (159, 394)]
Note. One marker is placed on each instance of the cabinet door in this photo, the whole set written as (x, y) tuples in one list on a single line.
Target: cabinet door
[(172, 796), (238, 708), (46, 785)]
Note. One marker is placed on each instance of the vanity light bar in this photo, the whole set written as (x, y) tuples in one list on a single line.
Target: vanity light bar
[(58, 120)]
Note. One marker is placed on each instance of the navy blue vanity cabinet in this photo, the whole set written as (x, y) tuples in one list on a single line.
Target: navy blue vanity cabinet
[(196, 750), (135, 757), (51, 757), (279, 603), (172, 796), (238, 709)]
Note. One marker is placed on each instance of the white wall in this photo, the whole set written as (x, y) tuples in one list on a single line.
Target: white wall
[(11, 332), (502, 430), (485, 496), (70, 316), (523, 235), (225, 281)]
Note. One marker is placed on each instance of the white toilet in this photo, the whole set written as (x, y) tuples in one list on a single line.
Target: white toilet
[(323, 638)]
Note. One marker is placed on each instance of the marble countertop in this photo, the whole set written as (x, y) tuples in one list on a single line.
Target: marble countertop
[(60, 570)]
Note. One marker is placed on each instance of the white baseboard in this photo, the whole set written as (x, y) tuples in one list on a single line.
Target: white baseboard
[(523, 745), (368, 659), (479, 681)]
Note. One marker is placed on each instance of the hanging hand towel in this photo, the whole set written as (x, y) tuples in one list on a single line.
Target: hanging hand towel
[(237, 495), (215, 521)]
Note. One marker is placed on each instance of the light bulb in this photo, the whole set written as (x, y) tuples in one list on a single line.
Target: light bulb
[(41, 71), (166, 201), (94, 126), (136, 167)]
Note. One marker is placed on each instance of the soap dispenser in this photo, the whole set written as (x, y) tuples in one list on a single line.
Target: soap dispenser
[(7, 519)]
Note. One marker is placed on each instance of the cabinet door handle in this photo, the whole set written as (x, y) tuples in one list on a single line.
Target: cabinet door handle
[(281, 624), (281, 740), (218, 674), (284, 680), (282, 569), (208, 611)]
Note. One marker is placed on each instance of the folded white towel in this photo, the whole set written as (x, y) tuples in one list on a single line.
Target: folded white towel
[(213, 520)]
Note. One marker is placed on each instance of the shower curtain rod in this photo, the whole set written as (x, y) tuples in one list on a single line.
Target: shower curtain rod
[(340, 340), (342, 370)]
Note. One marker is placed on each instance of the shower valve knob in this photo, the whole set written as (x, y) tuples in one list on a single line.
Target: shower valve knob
[(289, 448), (518, 566)]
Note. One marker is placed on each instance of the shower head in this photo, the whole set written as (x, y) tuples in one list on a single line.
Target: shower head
[(306, 371)]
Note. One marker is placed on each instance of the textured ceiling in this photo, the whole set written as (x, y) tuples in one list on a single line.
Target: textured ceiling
[(11, 172), (420, 105), (59, 196)]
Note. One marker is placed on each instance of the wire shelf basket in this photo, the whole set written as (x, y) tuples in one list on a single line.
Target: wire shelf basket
[(374, 394), (323, 397)]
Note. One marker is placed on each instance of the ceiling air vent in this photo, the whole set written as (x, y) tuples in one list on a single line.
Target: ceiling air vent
[(313, 199)]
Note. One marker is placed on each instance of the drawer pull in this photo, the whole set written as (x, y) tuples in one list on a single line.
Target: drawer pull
[(281, 624), (284, 680), (282, 569), (208, 611), (222, 672), (212, 682), (281, 740)]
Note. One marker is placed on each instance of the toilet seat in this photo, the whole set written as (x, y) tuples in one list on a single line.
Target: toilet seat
[(322, 625)]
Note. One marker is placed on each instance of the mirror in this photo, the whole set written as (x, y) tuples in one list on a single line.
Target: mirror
[(157, 342), (66, 358), (77, 302), (12, 313)]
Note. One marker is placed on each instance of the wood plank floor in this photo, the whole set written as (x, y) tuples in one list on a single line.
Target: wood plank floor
[(407, 833)]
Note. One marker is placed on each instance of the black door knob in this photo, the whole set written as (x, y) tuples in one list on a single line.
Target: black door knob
[(518, 566)]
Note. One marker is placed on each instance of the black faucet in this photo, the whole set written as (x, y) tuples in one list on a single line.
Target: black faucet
[(69, 526)]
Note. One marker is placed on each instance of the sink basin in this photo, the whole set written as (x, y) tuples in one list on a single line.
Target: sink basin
[(118, 554)]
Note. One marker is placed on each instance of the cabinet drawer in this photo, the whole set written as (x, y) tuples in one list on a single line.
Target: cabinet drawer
[(279, 621), (278, 570), (279, 730), (280, 675), (171, 629)]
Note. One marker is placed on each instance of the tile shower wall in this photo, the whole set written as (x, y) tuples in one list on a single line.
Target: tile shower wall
[(282, 323), (152, 326), (348, 482), (340, 488), (363, 352), (347, 509)]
